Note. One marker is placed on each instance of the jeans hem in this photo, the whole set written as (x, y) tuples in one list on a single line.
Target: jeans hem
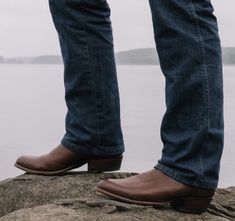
[(176, 176), (93, 151)]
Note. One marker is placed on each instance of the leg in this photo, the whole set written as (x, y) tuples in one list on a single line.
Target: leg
[(189, 48), (93, 130), (93, 118)]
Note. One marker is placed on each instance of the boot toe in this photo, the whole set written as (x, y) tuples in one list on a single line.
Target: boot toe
[(25, 162), (21, 161)]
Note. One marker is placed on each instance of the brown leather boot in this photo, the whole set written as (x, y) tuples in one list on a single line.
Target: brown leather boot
[(61, 160), (155, 188)]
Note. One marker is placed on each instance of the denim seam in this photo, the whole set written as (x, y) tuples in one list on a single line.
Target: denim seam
[(203, 62), (91, 65), (204, 76)]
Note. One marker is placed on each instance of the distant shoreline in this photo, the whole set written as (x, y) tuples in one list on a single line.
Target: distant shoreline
[(3, 64), (141, 56)]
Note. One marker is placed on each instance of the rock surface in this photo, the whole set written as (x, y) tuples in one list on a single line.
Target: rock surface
[(72, 197)]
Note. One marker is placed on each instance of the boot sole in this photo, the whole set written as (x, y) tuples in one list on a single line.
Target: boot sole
[(186, 204), (95, 165)]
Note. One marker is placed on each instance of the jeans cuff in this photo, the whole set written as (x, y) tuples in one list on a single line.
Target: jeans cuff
[(202, 184), (93, 151)]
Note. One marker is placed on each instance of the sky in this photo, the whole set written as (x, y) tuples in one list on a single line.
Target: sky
[(27, 28)]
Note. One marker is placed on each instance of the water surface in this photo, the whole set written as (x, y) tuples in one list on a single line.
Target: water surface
[(32, 115)]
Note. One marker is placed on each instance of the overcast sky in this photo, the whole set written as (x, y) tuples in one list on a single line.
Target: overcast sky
[(27, 28)]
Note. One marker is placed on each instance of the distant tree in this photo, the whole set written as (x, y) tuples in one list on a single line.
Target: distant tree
[(142, 56), (14, 61), (47, 59), (2, 60), (229, 55)]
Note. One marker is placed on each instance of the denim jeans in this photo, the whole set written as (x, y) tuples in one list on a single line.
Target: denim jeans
[(188, 45)]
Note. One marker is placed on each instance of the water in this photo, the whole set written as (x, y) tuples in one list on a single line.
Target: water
[(32, 114)]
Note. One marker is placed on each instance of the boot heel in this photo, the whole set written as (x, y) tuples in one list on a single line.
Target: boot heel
[(104, 164), (191, 205)]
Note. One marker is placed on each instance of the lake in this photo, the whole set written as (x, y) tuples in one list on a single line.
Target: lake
[(32, 115)]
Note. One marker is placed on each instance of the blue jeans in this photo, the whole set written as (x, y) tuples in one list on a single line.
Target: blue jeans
[(189, 49)]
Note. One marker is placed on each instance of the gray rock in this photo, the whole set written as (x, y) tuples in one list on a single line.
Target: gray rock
[(72, 197)]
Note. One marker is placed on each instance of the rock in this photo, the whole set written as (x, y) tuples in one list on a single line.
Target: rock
[(72, 197)]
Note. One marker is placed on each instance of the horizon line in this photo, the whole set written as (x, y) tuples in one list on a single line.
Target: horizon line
[(124, 50)]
